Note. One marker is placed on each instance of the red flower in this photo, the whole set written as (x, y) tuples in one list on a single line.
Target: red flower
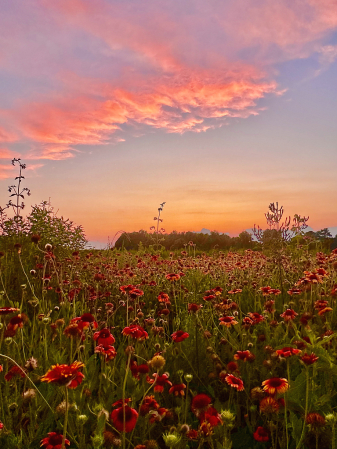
[(178, 390), (179, 336), (192, 307), (269, 405), (54, 441), (234, 291), (15, 323), (275, 385), (266, 290), (325, 310), (289, 315), (315, 419), (227, 321), (244, 356), (135, 293), (158, 415), (294, 291), (208, 298), (124, 418), (200, 403), (232, 367), (127, 288), (148, 404), (172, 277), (73, 330), (104, 337), (135, 331), (313, 277), (136, 369), (205, 429), (269, 306), (68, 375), (287, 352), (143, 368), (161, 381), (305, 318), (261, 434), (309, 359), (256, 317), (164, 297), (108, 351), (275, 291), (192, 434), (211, 416), (8, 310), (247, 322), (85, 321), (14, 371), (321, 304), (234, 382)]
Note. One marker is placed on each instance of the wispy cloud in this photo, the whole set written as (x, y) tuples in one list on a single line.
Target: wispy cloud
[(176, 66)]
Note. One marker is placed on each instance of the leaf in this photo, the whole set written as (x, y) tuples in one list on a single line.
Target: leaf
[(242, 439), (323, 400), (297, 425), (297, 390)]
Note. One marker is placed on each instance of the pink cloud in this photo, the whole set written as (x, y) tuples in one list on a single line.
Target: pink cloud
[(168, 65), (8, 170), (7, 136), (5, 153), (186, 102), (167, 33)]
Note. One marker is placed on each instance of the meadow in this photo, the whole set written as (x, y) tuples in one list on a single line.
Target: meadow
[(151, 349)]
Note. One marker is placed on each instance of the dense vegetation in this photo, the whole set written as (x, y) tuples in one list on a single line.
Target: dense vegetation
[(161, 347), (215, 240)]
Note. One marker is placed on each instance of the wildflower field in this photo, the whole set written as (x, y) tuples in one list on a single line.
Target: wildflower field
[(156, 349)]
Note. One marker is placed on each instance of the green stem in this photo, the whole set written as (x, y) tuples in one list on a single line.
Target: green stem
[(333, 443), (3, 286), (306, 407), (186, 402), (65, 420), (141, 402), (123, 397), (30, 285)]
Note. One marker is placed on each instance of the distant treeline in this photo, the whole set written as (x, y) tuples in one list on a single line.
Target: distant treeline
[(214, 240)]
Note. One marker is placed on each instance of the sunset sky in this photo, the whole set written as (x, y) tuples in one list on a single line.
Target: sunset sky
[(216, 107)]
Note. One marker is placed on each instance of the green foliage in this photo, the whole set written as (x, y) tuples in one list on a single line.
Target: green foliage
[(58, 231), (180, 240)]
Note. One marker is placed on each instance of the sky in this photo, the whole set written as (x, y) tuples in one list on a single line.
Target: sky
[(218, 108)]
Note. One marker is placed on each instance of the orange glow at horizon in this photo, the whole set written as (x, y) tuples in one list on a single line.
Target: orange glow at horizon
[(218, 108)]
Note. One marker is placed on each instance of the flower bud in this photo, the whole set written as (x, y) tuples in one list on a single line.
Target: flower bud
[(228, 418), (331, 419), (188, 377), (97, 441), (171, 439), (82, 419)]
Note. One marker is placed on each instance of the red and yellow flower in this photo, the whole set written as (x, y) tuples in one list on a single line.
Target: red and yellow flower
[(275, 385), (228, 321), (67, 375)]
